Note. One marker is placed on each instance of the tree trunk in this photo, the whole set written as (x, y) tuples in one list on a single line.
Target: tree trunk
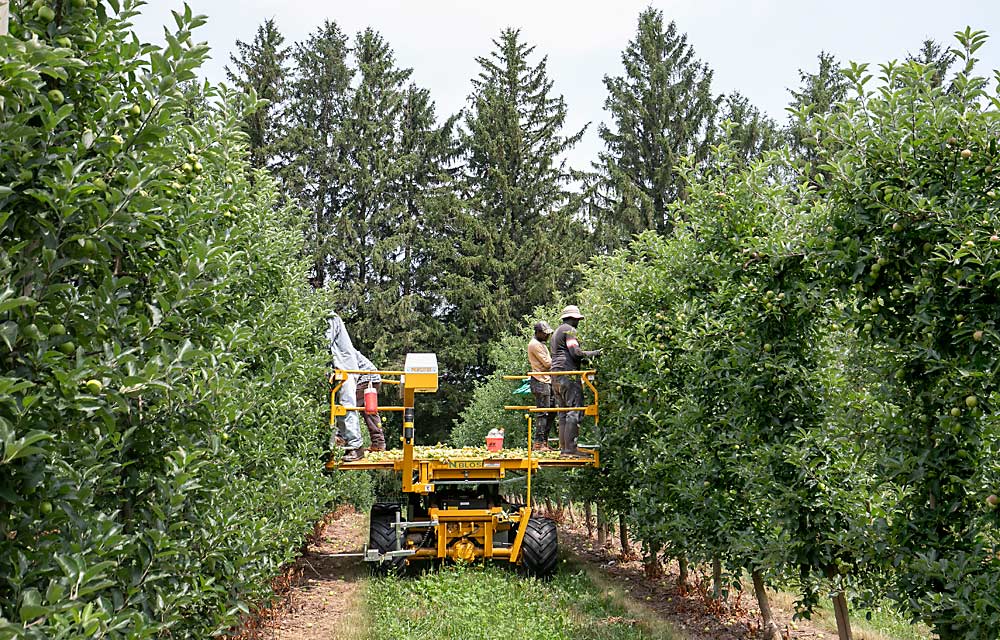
[(623, 535), (651, 563), (682, 573), (768, 625), (602, 526), (588, 516), (569, 512), (717, 579)]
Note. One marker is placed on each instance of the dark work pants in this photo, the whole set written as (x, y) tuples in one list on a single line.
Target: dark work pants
[(568, 393), (373, 421), (543, 400)]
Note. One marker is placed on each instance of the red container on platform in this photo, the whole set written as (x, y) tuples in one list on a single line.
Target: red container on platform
[(371, 400), (494, 440)]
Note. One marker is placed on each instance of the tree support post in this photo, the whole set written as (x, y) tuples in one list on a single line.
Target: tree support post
[(840, 609)]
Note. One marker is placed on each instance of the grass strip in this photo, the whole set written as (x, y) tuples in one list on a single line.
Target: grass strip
[(476, 601)]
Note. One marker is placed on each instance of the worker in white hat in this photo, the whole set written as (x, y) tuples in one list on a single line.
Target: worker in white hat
[(568, 390)]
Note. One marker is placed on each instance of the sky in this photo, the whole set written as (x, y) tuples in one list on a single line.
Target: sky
[(756, 47)]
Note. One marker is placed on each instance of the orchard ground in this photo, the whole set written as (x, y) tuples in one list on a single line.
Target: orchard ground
[(600, 594)]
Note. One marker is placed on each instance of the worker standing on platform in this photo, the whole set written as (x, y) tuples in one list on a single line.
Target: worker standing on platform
[(372, 420), (568, 356), (541, 386), (345, 356)]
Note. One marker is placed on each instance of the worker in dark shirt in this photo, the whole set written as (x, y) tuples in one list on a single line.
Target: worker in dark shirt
[(568, 390)]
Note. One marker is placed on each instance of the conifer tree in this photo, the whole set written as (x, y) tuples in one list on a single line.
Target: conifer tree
[(750, 132), (818, 94), (312, 155), (662, 109), (937, 58), (261, 68), (365, 242), (516, 177)]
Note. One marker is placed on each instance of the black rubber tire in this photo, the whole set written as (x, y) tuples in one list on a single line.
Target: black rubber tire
[(382, 536), (540, 548)]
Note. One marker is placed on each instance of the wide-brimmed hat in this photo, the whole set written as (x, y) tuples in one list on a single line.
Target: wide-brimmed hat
[(572, 311), (543, 327)]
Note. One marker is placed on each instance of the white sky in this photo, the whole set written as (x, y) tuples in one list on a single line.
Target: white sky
[(753, 46)]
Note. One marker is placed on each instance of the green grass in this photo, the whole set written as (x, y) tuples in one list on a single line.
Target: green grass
[(878, 624), (477, 601), (884, 624)]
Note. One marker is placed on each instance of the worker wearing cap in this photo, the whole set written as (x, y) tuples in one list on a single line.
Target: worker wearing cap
[(541, 386), (568, 390)]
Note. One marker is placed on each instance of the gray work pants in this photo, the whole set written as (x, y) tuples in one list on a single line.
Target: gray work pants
[(568, 393), (543, 400)]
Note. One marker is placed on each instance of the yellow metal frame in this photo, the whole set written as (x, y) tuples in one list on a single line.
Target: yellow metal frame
[(464, 534)]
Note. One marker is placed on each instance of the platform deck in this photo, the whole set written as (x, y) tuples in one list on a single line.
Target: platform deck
[(469, 458)]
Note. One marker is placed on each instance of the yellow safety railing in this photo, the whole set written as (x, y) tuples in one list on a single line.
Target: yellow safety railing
[(339, 377), (589, 410)]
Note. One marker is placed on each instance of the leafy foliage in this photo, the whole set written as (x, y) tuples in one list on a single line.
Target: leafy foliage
[(915, 239), (800, 377), (157, 342)]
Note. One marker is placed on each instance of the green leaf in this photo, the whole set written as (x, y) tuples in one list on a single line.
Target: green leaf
[(8, 331)]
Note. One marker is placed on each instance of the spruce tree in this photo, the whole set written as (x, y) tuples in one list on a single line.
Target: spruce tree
[(936, 58), (749, 132), (312, 155), (661, 109), (818, 94), (515, 177), (364, 272), (261, 69), (432, 285)]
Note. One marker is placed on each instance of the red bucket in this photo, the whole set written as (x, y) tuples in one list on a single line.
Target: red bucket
[(494, 443)]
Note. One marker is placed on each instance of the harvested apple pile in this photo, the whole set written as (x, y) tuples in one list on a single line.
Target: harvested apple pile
[(443, 452)]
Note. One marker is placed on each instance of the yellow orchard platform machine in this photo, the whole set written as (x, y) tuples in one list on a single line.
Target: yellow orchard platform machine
[(455, 508)]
